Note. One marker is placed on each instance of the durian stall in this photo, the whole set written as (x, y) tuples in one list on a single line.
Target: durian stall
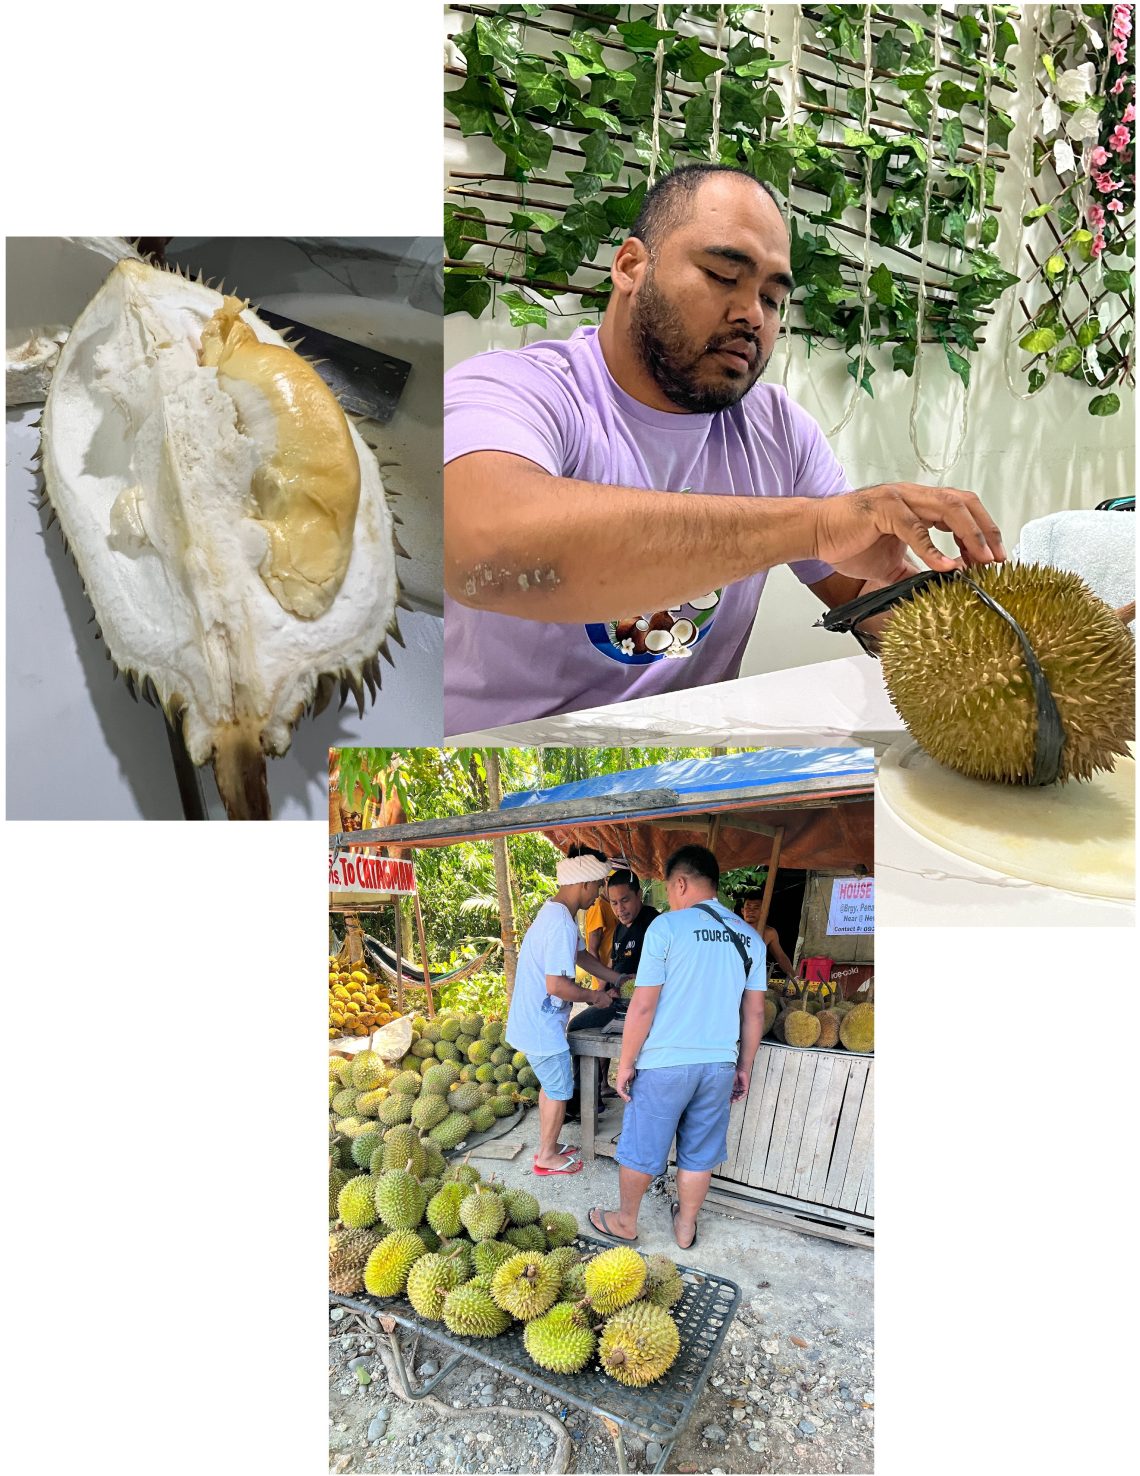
[(801, 1141)]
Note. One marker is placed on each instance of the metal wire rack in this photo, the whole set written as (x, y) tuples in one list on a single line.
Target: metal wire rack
[(658, 1412)]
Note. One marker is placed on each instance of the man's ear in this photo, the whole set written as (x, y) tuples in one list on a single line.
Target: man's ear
[(629, 266)]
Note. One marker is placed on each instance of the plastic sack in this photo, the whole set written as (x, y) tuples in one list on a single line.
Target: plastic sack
[(394, 1041)]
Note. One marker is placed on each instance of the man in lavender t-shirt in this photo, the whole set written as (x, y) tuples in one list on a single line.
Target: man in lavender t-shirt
[(574, 578)]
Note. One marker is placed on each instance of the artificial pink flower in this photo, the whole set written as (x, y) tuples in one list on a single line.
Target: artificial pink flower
[(1105, 183), (1095, 214), (1117, 87), (1097, 246), (1098, 158), (1116, 206), (1129, 115), (1118, 52), (1121, 22)]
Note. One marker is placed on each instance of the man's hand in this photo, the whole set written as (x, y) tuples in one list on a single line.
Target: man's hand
[(740, 1084), (607, 996), (624, 1080), (866, 533)]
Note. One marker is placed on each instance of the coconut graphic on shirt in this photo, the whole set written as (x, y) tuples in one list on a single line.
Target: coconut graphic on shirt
[(661, 633)]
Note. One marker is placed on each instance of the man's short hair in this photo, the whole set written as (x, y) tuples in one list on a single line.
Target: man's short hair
[(624, 879), (696, 861), (577, 850), (672, 200)]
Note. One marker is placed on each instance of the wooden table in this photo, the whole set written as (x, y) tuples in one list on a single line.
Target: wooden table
[(592, 1046)]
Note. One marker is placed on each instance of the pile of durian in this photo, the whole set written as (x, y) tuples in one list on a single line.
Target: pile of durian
[(456, 1079), (481, 1258), (358, 1002), (810, 1015)]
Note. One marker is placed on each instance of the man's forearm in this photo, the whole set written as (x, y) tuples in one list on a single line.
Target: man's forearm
[(521, 542), (586, 960), (751, 1031), (567, 989), (635, 1032)]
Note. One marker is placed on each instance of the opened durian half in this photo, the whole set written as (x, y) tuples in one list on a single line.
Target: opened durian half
[(228, 522)]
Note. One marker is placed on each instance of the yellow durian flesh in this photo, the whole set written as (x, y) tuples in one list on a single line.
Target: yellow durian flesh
[(151, 475), (307, 484)]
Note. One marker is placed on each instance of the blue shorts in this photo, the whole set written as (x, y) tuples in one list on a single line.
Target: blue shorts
[(692, 1102), (555, 1075)]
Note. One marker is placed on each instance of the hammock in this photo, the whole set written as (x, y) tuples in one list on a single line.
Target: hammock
[(384, 959)]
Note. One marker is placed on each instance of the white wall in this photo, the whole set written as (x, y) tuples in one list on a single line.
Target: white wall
[(1023, 459)]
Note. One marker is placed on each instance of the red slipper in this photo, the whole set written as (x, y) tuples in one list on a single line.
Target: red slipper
[(573, 1166), (604, 1229)]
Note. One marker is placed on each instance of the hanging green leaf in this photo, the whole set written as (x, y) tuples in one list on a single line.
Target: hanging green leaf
[(454, 230), (882, 284), (1067, 360), (888, 53), (522, 310), (959, 365), (464, 293), (1104, 404), (953, 135), (902, 357), (691, 62), (1039, 341), (1117, 281), (1088, 332)]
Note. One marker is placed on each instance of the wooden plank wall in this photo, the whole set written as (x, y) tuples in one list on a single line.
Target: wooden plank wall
[(806, 1128)]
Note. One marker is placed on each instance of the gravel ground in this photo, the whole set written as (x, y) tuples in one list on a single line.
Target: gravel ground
[(791, 1391)]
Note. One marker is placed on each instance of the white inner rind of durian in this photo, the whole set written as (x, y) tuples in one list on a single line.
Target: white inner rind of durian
[(150, 478)]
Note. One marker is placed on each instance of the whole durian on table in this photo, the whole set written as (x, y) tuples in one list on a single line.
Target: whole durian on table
[(957, 675), (829, 1022), (614, 1278), (386, 1270), (483, 1214), (561, 1340), (559, 1227), (429, 1281), (227, 521), (525, 1286), (801, 1028), (471, 1311), (638, 1344), (348, 1254), (663, 1284), (857, 1028)]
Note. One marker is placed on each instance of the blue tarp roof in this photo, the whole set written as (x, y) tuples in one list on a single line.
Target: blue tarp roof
[(767, 768)]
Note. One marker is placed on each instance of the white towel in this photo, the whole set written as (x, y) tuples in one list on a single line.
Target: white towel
[(1099, 546)]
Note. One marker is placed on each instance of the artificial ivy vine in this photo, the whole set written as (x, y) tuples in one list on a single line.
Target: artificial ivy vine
[(555, 205)]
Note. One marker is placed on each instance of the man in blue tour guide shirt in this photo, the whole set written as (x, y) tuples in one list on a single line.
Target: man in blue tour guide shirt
[(691, 1034)]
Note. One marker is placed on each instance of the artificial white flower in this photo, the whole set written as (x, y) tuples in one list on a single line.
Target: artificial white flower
[(1082, 124), (1050, 116), (628, 647), (1076, 84), (1064, 159)]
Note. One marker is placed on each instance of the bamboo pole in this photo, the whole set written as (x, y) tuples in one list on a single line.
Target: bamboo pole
[(770, 879), (399, 959), (424, 962)]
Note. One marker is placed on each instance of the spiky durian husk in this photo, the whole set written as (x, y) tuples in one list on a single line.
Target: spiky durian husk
[(559, 1227), (386, 1270), (429, 1281), (957, 676), (348, 1253), (483, 1214), (614, 1278), (471, 1311), (663, 1284), (525, 1286), (638, 1344), (561, 1340), (234, 727)]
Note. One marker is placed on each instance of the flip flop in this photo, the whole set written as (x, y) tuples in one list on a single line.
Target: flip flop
[(604, 1229), (674, 1209), (573, 1166)]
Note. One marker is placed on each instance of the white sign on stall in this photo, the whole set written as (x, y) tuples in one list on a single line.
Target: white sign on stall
[(852, 908), (354, 874)]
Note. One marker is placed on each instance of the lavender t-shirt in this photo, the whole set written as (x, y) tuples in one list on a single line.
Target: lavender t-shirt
[(557, 404)]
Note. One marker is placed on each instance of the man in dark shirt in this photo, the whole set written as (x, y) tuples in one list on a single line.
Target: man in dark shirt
[(633, 917)]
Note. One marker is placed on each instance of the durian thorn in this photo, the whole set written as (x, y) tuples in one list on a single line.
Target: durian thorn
[(402, 553), (394, 632), (387, 655)]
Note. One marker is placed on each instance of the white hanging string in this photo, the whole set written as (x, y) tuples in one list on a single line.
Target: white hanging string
[(793, 98), (868, 208), (928, 192), (714, 141), (1034, 108), (655, 141)]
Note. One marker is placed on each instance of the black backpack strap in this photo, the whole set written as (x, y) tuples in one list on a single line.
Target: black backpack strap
[(736, 940)]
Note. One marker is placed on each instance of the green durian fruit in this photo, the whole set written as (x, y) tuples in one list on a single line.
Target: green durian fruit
[(638, 1344), (561, 1340), (386, 1270), (614, 1278), (483, 1214), (559, 1227), (470, 1311), (443, 1209), (525, 1286), (957, 674), (451, 1131), (857, 1030), (397, 1108), (356, 1203), (522, 1207), (400, 1200)]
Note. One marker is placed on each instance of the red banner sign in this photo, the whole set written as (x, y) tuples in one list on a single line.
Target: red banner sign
[(354, 872)]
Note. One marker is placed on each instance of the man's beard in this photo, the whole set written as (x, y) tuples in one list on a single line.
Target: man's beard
[(667, 354)]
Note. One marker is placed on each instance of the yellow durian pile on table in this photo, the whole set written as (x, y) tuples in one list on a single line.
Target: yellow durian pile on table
[(358, 1002)]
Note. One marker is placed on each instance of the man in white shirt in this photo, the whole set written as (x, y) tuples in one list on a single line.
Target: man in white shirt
[(543, 993)]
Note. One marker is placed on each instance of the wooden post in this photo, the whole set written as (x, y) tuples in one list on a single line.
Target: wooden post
[(770, 879), (399, 959), (424, 963)]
